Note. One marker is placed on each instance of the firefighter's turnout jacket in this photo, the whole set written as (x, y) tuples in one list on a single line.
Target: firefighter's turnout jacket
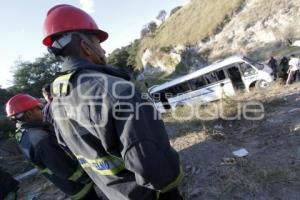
[(115, 134), (38, 143), (8, 186)]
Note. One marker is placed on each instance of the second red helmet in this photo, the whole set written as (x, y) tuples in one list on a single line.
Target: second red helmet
[(20, 103)]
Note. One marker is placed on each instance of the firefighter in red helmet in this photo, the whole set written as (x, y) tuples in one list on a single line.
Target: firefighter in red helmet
[(117, 136), (37, 142)]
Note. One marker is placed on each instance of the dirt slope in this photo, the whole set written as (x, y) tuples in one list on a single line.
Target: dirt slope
[(270, 171)]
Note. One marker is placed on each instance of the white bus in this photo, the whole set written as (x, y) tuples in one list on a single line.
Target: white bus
[(207, 84)]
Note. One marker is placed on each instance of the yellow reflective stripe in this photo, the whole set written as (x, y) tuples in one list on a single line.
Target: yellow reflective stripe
[(82, 192), (175, 183), (46, 171), (107, 165), (107, 172), (157, 195), (60, 84), (18, 136), (77, 174)]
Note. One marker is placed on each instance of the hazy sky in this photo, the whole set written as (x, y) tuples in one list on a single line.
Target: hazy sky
[(21, 25)]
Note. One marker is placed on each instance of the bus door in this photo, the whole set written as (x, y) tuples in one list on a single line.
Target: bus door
[(235, 76), (164, 100), (249, 73)]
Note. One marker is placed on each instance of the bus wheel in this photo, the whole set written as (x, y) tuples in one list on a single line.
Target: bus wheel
[(262, 84)]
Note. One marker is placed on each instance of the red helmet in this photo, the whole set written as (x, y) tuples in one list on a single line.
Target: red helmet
[(66, 18), (21, 103)]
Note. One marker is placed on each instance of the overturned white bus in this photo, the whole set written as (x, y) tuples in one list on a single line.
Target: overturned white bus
[(208, 83)]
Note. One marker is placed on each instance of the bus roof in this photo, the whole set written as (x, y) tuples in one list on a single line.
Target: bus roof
[(214, 66)]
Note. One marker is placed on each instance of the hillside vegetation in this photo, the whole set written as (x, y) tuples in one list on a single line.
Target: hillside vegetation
[(195, 21), (220, 28)]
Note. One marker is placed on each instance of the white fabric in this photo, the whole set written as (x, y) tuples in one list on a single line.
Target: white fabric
[(294, 62)]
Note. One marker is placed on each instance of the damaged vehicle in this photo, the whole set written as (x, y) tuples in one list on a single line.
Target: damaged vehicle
[(211, 83)]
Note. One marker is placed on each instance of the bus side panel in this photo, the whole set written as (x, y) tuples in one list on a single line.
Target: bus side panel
[(204, 95)]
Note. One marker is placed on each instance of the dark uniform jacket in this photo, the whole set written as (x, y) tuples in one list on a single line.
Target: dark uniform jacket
[(38, 143), (47, 114), (7, 184), (127, 153)]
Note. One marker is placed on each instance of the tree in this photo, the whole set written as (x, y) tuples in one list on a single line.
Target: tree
[(133, 50), (161, 15), (145, 31), (119, 57), (152, 26), (6, 126), (174, 10), (125, 56), (4, 96), (149, 28), (29, 77)]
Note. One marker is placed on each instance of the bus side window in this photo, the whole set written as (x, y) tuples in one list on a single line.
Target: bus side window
[(197, 83), (210, 78), (220, 75), (177, 89), (247, 70)]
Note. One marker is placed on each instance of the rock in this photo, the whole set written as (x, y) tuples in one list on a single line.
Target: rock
[(218, 126), (241, 152), (193, 170), (188, 167), (198, 171), (218, 136), (195, 192), (297, 128), (228, 161)]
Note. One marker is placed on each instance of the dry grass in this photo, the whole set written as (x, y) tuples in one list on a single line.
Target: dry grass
[(194, 22), (270, 169), (191, 118)]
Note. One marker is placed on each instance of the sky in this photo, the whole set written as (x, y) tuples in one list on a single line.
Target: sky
[(22, 25)]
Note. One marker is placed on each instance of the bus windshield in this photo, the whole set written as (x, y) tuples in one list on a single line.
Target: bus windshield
[(254, 63)]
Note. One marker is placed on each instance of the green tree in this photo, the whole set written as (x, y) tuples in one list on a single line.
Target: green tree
[(174, 10), (133, 50), (119, 57), (29, 77), (6, 126), (125, 56), (161, 15)]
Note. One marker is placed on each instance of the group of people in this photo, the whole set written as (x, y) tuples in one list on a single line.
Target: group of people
[(288, 70), (89, 133)]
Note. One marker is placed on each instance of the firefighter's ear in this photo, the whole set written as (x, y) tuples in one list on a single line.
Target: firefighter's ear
[(28, 115), (86, 49)]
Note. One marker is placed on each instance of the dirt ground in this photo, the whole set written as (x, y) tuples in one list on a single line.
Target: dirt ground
[(270, 171)]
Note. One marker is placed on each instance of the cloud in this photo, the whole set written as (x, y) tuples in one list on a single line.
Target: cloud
[(87, 5)]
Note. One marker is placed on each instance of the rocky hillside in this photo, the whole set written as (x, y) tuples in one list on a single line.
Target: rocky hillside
[(204, 31)]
